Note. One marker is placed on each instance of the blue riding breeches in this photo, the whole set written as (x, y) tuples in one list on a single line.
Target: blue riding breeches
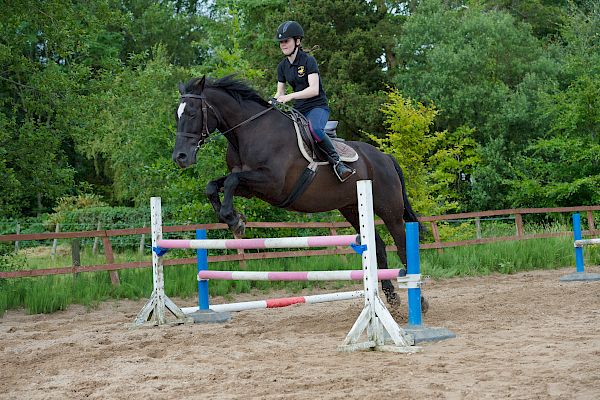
[(317, 118)]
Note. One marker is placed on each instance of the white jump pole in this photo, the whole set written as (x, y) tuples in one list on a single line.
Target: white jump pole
[(280, 302)]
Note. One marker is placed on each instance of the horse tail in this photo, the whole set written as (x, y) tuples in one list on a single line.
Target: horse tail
[(409, 214)]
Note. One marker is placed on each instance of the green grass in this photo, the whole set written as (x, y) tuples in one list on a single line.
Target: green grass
[(52, 293)]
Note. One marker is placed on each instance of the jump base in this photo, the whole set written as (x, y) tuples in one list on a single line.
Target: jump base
[(423, 333), (580, 276), (209, 317)]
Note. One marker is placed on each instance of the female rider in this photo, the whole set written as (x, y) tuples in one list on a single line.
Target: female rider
[(300, 70)]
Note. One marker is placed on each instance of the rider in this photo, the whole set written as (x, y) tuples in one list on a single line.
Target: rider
[(300, 70)]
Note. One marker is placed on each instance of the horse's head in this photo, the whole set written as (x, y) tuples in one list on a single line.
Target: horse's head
[(193, 122)]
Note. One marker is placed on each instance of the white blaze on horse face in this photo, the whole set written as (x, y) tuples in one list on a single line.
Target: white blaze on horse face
[(180, 110)]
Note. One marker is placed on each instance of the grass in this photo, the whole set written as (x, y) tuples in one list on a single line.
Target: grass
[(53, 293)]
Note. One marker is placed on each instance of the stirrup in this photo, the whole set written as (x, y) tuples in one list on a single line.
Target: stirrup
[(353, 171)]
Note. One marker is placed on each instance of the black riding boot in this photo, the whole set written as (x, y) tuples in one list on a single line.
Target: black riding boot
[(342, 171)]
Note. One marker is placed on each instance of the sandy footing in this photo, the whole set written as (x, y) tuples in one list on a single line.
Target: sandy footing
[(522, 336)]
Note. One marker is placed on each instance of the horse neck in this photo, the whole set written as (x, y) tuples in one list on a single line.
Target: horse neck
[(233, 113)]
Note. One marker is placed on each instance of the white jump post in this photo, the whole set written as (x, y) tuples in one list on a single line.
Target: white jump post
[(375, 317), (158, 300)]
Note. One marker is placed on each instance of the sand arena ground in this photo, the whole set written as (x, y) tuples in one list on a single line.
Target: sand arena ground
[(522, 336)]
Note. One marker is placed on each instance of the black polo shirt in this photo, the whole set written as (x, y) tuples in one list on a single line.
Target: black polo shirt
[(296, 75)]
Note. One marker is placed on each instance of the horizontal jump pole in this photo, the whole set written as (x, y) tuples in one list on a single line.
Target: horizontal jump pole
[(265, 243), (280, 302), (586, 242), (345, 275)]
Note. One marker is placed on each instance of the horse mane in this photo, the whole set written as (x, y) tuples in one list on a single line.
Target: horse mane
[(236, 88)]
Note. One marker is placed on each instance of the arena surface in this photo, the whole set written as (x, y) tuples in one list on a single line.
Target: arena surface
[(522, 336)]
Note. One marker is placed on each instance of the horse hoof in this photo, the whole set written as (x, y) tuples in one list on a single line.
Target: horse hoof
[(393, 299), (239, 229), (424, 305)]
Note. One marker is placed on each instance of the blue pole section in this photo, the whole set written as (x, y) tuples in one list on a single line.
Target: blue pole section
[(413, 267), (577, 236), (202, 255)]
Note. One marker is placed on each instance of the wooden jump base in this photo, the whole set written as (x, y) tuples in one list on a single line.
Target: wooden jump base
[(374, 320), (580, 274), (345, 275)]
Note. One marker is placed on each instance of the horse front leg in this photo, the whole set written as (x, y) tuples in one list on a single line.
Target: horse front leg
[(213, 188), (239, 184)]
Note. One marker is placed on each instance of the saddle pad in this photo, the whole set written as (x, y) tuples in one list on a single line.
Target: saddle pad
[(347, 153)]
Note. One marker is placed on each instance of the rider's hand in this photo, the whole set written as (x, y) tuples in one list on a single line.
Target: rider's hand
[(285, 98)]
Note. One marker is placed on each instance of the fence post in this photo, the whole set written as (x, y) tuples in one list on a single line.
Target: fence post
[(16, 241), (110, 259), (436, 235), (478, 227), (142, 241), (75, 256), (519, 224), (590, 218), (333, 232), (95, 247), (55, 242)]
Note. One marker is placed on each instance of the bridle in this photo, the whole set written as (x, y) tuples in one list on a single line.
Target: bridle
[(205, 133)]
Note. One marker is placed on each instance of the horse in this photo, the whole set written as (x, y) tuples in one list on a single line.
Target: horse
[(264, 161)]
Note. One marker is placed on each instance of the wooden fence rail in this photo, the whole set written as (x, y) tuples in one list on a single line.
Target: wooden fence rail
[(242, 256)]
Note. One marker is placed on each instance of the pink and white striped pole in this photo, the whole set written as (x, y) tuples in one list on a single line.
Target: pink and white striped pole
[(343, 275), (264, 243)]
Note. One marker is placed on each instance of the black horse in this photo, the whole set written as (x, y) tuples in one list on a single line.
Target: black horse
[(264, 161)]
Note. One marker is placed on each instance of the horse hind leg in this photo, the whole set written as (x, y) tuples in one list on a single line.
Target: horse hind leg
[(351, 215), (397, 230)]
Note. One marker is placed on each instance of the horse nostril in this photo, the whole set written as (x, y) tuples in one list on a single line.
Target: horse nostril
[(181, 157)]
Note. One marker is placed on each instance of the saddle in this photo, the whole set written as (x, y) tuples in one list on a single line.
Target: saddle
[(310, 151)]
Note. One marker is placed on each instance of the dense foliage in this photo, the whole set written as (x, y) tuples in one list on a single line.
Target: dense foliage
[(486, 103)]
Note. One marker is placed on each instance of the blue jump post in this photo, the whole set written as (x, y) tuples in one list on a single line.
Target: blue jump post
[(415, 325), (580, 274), (204, 313)]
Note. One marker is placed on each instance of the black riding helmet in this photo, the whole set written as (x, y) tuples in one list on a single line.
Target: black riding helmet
[(289, 29)]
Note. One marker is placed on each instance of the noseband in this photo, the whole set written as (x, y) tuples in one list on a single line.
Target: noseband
[(205, 133)]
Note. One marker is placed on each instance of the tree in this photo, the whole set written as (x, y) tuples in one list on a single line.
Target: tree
[(436, 165)]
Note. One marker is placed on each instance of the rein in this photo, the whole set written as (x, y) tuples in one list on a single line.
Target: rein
[(205, 134)]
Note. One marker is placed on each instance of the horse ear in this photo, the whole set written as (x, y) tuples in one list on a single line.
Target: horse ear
[(200, 84), (181, 88)]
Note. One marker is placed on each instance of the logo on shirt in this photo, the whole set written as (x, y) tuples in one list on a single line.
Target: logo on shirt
[(301, 71)]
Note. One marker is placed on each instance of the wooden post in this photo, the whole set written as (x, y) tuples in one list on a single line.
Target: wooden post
[(110, 259), (519, 223), (55, 242), (478, 227), (75, 256), (590, 218), (436, 235), (243, 260), (16, 241), (142, 242), (96, 239), (333, 232)]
